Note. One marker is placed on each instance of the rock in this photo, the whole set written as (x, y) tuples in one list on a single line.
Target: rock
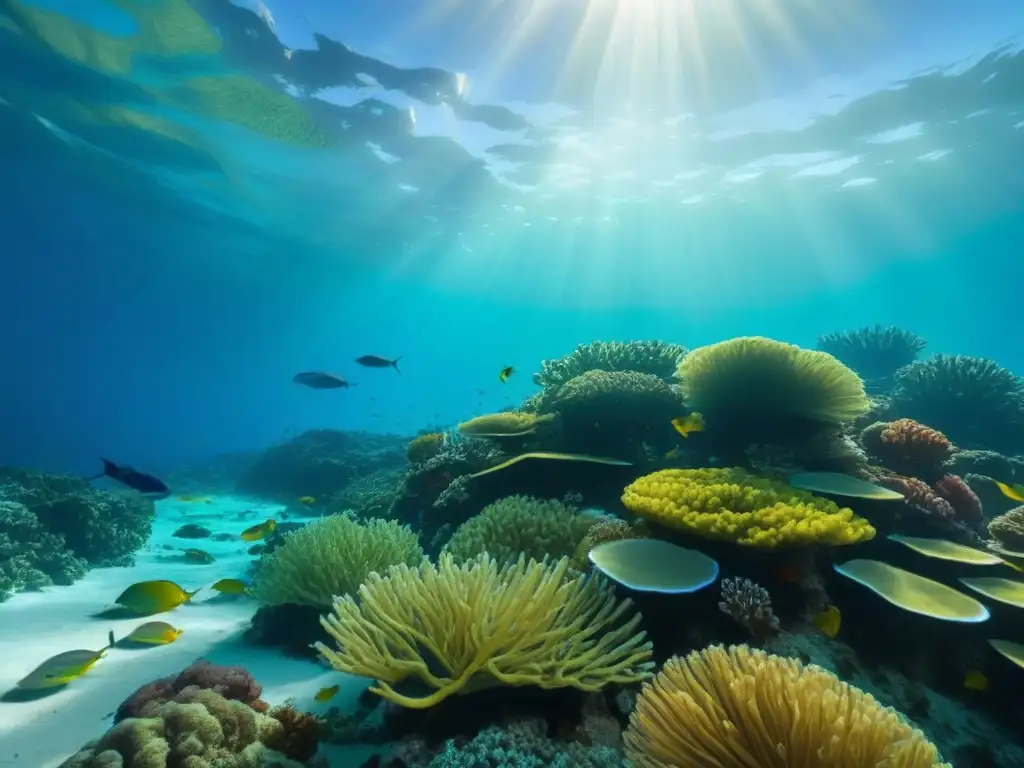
[(192, 531)]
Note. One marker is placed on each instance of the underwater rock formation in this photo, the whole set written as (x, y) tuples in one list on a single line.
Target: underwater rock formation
[(974, 401), (875, 352), (54, 527), (319, 463)]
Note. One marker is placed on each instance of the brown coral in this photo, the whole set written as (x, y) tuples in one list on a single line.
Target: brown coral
[(299, 736), (907, 447)]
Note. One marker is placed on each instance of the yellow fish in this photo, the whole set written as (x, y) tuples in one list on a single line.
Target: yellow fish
[(148, 597), (975, 681), (692, 423), (828, 621), (61, 669), (230, 586), (259, 531), (326, 694), (307, 500), (154, 633), (199, 556), (1014, 491), (505, 373)]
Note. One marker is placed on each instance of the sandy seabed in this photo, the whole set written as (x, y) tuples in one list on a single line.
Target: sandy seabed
[(43, 732)]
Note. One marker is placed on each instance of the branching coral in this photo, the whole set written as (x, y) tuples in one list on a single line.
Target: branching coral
[(198, 728), (520, 525), (733, 505), (875, 352), (332, 556), (907, 447), (457, 492), (738, 708), (368, 495), (504, 424), (1008, 529), (753, 379), (657, 358), (974, 401), (458, 628), (750, 605)]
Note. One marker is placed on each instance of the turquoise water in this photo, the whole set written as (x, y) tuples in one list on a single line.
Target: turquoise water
[(201, 198)]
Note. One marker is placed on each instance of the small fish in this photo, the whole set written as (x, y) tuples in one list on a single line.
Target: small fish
[(154, 633), (148, 597), (975, 681), (61, 669), (320, 380), (139, 481), (326, 694), (372, 361), (672, 454), (828, 621), (505, 373), (259, 531), (306, 500), (694, 422), (1013, 491), (230, 586), (199, 556)]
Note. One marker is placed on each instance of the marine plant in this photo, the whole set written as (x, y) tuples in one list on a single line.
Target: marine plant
[(332, 556), (974, 401), (875, 352), (520, 525), (733, 505), (657, 358), (907, 447), (754, 379), (738, 707), (456, 628)]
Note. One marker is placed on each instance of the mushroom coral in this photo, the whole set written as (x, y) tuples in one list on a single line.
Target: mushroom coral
[(732, 505)]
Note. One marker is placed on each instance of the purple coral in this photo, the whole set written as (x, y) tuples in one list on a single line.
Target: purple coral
[(749, 604), (965, 501), (230, 682)]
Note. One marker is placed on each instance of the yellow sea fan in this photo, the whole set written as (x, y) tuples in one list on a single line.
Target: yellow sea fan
[(755, 375), (742, 708), (460, 628), (503, 424), (330, 557), (732, 505)]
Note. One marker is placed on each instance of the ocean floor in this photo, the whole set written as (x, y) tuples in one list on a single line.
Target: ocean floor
[(43, 732)]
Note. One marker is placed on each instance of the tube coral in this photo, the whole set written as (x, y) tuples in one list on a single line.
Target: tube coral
[(458, 628), (907, 447), (737, 708)]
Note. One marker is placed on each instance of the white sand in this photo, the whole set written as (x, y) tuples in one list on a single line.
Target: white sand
[(34, 626)]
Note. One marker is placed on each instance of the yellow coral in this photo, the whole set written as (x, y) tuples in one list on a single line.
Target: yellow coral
[(332, 556), (519, 525), (740, 708), (460, 628), (424, 447), (766, 378), (733, 505), (503, 424)]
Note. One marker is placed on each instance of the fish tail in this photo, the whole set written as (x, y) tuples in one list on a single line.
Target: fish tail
[(109, 468), (111, 642), (394, 363)]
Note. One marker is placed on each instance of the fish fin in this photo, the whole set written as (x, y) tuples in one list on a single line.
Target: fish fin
[(189, 595), (109, 470), (111, 642), (394, 363)]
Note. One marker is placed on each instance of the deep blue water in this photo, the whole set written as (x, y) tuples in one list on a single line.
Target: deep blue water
[(170, 258)]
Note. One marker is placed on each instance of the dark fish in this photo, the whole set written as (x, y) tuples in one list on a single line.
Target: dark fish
[(320, 380), (372, 361), (505, 373), (139, 481)]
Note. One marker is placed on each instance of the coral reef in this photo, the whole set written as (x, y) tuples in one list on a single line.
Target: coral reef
[(974, 401), (520, 525), (1008, 529), (54, 527), (732, 505), (332, 556), (965, 502), (368, 495), (234, 683), (424, 447), (736, 707), (875, 352), (949, 505), (459, 628), (750, 605), (320, 463), (906, 447), (656, 358)]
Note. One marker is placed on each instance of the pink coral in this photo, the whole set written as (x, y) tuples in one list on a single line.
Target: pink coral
[(963, 499), (919, 494), (230, 682)]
